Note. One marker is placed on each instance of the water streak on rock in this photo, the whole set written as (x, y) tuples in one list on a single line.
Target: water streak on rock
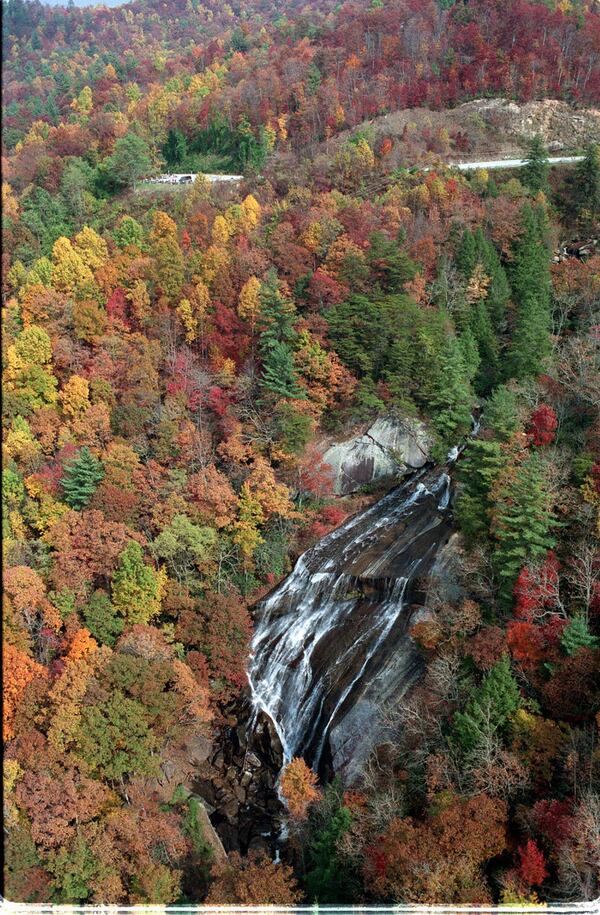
[(326, 629)]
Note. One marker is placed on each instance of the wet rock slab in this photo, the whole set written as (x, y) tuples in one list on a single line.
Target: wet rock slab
[(331, 642)]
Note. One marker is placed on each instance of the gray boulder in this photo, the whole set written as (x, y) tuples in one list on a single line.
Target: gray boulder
[(384, 452)]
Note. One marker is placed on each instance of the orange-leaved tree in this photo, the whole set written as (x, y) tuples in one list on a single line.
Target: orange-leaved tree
[(299, 788), (255, 880)]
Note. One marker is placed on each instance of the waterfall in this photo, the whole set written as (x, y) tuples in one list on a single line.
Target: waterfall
[(321, 633)]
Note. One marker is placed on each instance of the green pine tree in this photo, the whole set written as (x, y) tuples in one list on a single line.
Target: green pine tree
[(358, 330), (535, 171), (500, 414), (499, 288), (276, 315), (485, 316), (488, 709), (586, 190), (175, 147), (389, 263), (467, 255), (469, 349), (523, 523), (450, 395), (279, 374), (530, 278), (488, 362), (81, 479), (478, 470), (577, 635), (328, 878), (277, 336)]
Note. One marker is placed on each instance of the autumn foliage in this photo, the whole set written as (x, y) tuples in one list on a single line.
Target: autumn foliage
[(177, 359), (532, 865), (448, 851), (252, 881), (299, 787)]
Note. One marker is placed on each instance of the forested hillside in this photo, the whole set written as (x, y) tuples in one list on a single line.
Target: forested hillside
[(279, 76), (173, 360)]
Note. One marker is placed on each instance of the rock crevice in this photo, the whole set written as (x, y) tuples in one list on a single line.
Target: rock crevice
[(382, 453)]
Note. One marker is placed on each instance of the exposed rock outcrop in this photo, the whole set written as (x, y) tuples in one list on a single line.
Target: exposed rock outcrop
[(386, 563), (210, 834), (332, 639), (559, 125), (382, 453), (490, 128), (355, 734)]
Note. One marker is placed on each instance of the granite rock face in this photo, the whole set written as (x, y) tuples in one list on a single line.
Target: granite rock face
[(356, 732), (331, 642), (383, 453)]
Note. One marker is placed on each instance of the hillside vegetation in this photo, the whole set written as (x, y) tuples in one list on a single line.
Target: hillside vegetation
[(170, 363)]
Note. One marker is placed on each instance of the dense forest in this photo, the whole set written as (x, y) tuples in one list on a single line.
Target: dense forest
[(172, 360)]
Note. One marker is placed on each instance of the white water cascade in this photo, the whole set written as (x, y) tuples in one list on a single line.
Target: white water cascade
[(324, 632)]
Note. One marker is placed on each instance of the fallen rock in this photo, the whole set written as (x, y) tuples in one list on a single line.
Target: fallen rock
[(383, 452), (237, 782), (210, 834), (199, 749), (231, 809)]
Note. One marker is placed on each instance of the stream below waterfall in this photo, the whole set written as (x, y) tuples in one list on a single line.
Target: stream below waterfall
[(331, 641)]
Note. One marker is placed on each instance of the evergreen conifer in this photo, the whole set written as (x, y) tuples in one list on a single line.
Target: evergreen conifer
[(478, 470), (535, 172), (327, 880), (499, 288), (277, 335), (523, 522), (577, 635), (466, 255), (489, 707), (530, 279), (586, 190), (81, 479)]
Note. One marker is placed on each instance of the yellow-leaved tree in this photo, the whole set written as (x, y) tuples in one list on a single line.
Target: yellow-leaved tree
[(247, 535), (91, 248), (166, 257), (250, 213), (75, 397), (221, 232), (69, 272), (249, 301)]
